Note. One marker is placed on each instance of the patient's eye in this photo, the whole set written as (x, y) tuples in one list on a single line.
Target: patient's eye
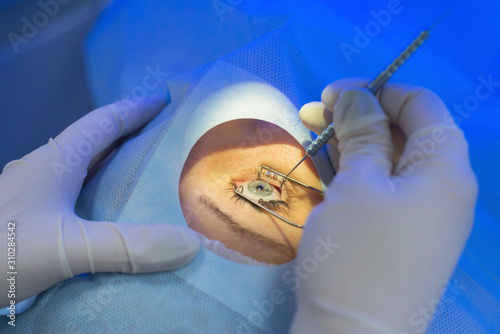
[(260, 189)]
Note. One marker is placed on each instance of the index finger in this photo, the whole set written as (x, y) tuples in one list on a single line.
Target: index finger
[(93, 133), (435, 146)]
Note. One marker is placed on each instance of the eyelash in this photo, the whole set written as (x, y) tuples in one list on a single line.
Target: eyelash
[(270, 204)]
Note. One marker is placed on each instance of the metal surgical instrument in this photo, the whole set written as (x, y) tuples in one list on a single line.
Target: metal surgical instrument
[(373, 87), (239, 191)]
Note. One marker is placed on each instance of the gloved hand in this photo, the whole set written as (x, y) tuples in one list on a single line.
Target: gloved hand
[(316, 116), (395, 232), (38, 195)]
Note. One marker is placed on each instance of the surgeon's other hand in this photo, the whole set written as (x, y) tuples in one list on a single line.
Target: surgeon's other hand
[(395, 232), (37, 198)]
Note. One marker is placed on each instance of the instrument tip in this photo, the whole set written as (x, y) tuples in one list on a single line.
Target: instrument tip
[(297, 165), (452, 6)]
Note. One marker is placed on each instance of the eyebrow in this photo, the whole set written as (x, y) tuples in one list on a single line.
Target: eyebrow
[(236, 226)]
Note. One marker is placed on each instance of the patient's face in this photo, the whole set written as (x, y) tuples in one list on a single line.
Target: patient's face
[(228, 156)]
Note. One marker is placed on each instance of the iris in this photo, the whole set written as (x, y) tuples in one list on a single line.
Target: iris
[(260, 188)]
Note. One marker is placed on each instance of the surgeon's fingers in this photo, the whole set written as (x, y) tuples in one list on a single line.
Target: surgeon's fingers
[(316, 117), (435, 147), (92, 246), (408, 106), (83, 140), (365, 143)]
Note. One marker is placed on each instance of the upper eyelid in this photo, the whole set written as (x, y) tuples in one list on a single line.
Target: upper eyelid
[(254, 172)]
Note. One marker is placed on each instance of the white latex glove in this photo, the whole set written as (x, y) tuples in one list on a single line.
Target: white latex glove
[(395, 235), (52, 243)]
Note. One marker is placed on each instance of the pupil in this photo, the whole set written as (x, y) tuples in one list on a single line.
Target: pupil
[(260, 187)]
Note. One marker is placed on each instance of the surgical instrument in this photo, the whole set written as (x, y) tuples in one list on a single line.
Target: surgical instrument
[(373, 87), (260, 202)]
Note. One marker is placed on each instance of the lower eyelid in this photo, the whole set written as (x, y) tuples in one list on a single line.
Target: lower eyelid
[(239, 198), (271, 204)]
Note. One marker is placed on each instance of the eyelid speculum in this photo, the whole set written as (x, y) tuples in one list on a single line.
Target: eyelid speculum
[(266, 205), (260, 189), (261, 204), (270, 203), (286, 179)]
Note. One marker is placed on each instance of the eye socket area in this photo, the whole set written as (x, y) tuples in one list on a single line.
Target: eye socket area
[(257, 189), (283, 193)]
